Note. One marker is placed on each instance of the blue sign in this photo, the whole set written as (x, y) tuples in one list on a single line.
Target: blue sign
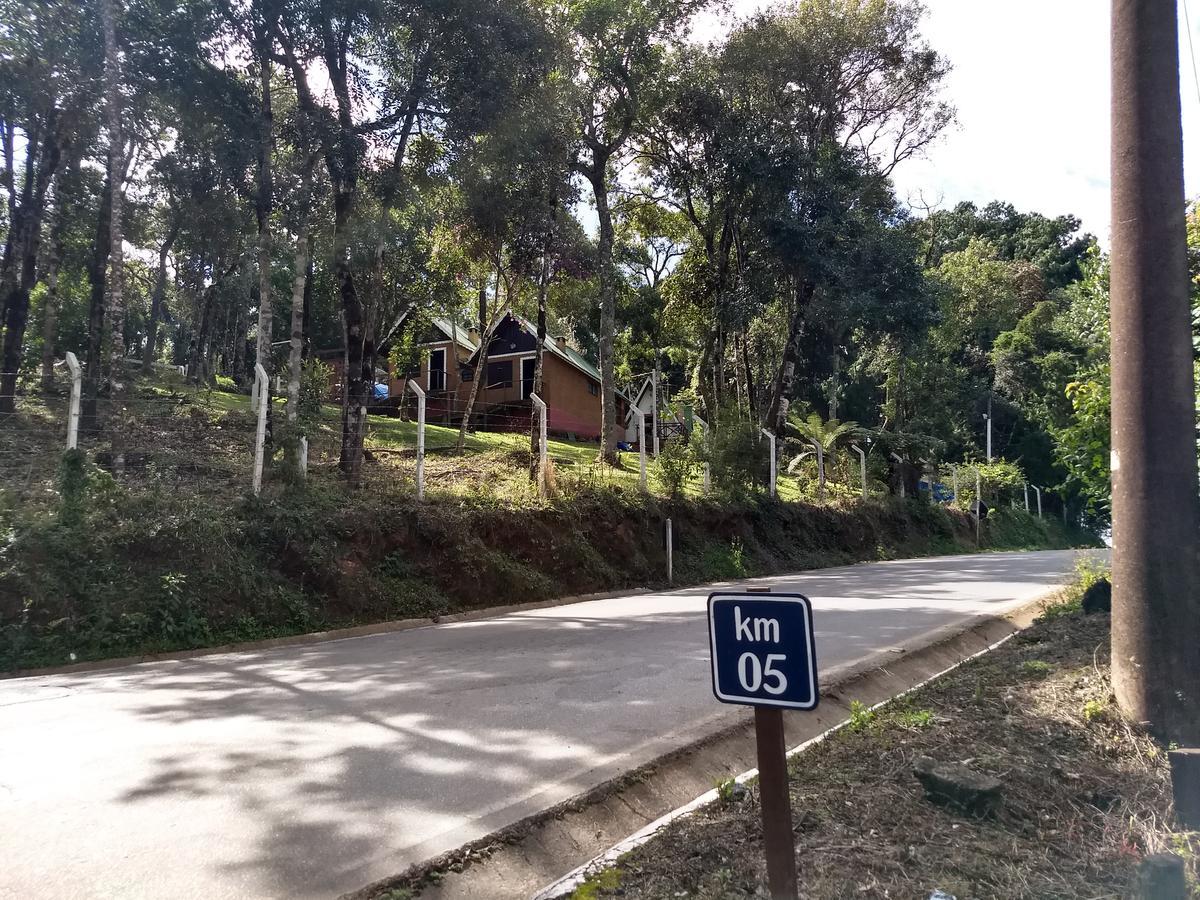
[(763, 652)]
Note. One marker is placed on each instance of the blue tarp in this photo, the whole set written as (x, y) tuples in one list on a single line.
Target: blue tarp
[(380, 392)]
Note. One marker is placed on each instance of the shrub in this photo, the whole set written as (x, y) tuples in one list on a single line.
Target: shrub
[(674, 467), (737, 456)]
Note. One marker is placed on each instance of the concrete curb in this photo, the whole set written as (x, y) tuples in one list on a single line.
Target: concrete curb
[(561, 842), (317, 637)]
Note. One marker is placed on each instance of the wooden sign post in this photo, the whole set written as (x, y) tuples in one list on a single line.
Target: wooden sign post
[(763, 655)]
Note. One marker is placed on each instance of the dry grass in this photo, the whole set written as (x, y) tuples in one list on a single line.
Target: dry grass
[(1086, 795)]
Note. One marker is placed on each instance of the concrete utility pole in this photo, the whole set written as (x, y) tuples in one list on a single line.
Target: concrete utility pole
[(1156, 508), (988, 416)]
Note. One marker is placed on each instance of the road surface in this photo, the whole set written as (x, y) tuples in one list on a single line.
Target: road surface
[(307, 771)]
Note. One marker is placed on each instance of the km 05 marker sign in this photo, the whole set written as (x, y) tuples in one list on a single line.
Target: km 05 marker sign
[(763, 653)]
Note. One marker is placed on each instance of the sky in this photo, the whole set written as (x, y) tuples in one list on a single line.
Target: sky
[(1030, 82)]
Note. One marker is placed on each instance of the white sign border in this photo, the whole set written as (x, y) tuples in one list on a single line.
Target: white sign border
[(804, 604)]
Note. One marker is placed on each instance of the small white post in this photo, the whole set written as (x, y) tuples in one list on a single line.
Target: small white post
[(954, 482), (1038, 491), (771, 447), (707, 466), (642, 449), (540, 406), (73, 409), (303, 457), (416, 389), (1026, 496), (670, 554), (820, 471), (862, 467), (989, 434), (260, 433), (903, 490)]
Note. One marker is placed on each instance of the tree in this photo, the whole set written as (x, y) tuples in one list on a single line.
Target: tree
[(619, 49), (49, 67), (446, 67)]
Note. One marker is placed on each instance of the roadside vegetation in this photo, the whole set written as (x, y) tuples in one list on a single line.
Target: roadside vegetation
[(179, 555), (1085, 794)]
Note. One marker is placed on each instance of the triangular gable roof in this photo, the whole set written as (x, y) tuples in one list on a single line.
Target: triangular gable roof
[(569, 354), (455, 333), (573, 357)]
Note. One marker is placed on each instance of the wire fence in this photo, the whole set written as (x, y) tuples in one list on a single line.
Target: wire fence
[(166, 433)]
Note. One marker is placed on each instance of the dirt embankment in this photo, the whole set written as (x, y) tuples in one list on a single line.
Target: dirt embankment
[(130, 574)]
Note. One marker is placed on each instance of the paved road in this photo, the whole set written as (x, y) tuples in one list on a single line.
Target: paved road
[(308, 771)]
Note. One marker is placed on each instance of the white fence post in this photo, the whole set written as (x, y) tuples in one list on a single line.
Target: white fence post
[(707, 465), (303, 457), (954, 482), (771, 447), (862, 467), (73, 409), (642, 449), (1038, 491), (416, 389), (260, 433), (540, 405), (903, 490), (1026, 496)]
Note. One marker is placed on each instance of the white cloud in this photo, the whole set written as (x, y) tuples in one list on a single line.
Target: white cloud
[(1031, 85)]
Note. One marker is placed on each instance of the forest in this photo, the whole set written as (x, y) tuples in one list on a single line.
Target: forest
[(220, 184)]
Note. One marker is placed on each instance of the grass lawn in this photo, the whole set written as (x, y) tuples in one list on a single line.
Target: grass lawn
[(495, 462)]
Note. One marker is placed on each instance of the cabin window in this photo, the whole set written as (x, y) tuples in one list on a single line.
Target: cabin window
[(527, 369), (500, 374), (593, 389), (437, 370)]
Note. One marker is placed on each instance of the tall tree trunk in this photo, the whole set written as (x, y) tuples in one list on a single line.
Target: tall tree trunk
[(306, 340), (751, 392), (50, 310), (607, 273), (19, 268), (264, 202), (98, 284), (535, 439), (296, 346), (777, 411), (358, 379), (160, 293), (244, 293), (485, 341), (116, 254)]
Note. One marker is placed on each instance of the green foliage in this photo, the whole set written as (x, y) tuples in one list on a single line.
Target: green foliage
[(1036, 668), (675, 466), (737, 457), (725, 789), (914, 718), (1094, 710), (604, 880), (862, 716)]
